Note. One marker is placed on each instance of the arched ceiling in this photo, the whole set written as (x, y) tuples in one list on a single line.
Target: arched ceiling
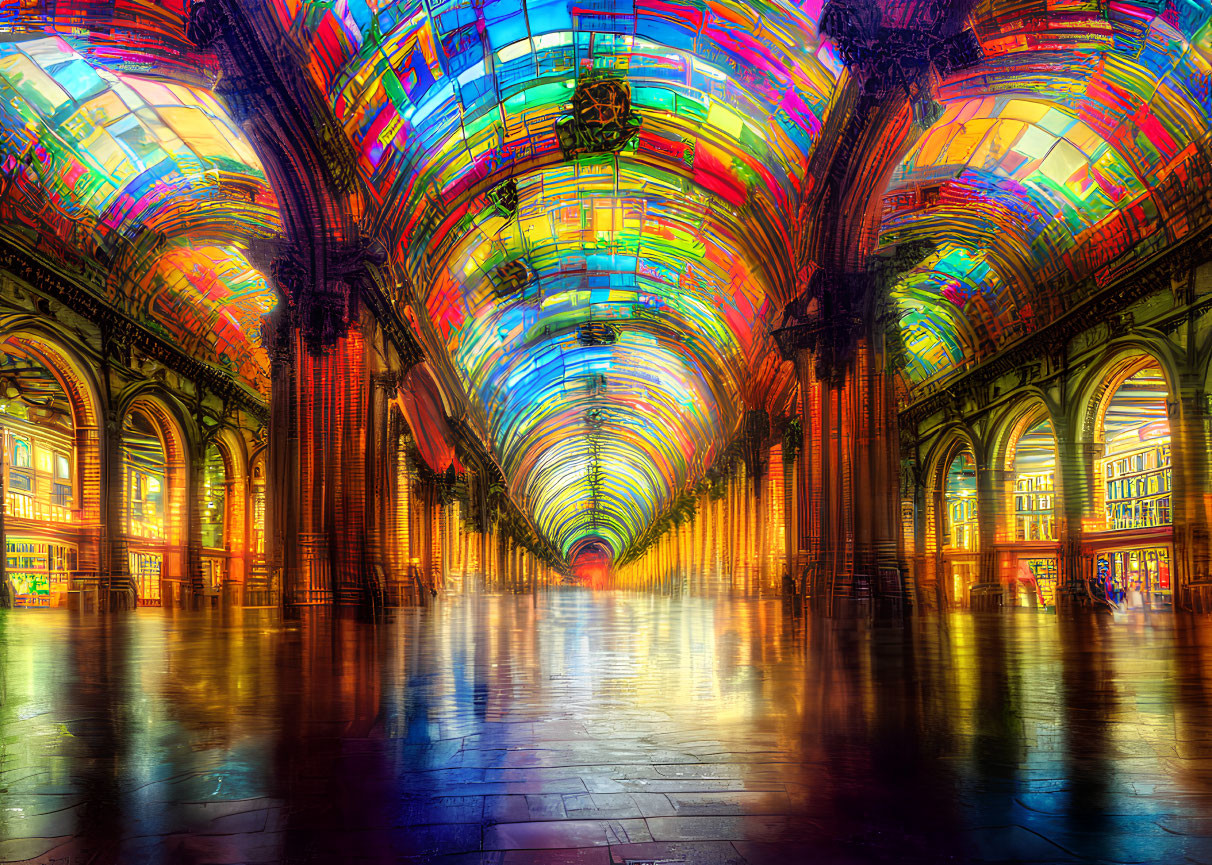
[(680, 242), (1079, 149), (117, 159), (608, 314)]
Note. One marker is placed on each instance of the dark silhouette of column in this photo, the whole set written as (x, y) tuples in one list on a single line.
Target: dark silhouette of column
[(836, 328)]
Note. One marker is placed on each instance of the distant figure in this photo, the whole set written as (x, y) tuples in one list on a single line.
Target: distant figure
[(1097, 589), (415, 577)]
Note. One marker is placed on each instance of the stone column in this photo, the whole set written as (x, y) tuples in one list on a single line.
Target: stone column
[(282, 482), (239, 555), (835, 327), (926, 543), (1076, 499), (118, 584), (1191, 580), (195, 472), (319, 415), (379, 464), (88, 512), (990, 515)]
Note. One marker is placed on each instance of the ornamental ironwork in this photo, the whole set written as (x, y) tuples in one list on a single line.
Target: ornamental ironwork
[(595, 333), (510, 279), (601, 119)]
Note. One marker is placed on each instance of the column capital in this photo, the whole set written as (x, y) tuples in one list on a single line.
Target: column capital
[(320, 289), (1189, 403), (827, 320), (890, 48)]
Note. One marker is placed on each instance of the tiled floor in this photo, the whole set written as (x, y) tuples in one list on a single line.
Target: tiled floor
[(599, 728)]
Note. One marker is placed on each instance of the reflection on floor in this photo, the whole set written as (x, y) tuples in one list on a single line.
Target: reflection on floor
[(603, 727)]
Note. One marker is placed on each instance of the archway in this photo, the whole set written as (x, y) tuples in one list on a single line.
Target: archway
[(153, 459), (1130, 535), (39, 444), (222, 516), (956, 518), (1031, 511)]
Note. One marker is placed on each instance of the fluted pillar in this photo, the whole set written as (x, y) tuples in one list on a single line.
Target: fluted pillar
[(1077, 501), (1190, 499), (991, 484), (835, 328), (119, 585), (194, 582)]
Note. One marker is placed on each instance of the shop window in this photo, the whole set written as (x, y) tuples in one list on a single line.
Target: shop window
[(1136, 577), (37, 422), (146, 569), (146, 477), (960, 502), (258, 508), (39, 571), (62, 491), (1135, 472), (214, 499), (1034, 484)]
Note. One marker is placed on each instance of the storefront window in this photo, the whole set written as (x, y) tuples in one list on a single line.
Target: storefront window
[(214, 499), (145, 467), (1136, 577), (146, 569), (1037, 577), (39, 570), (960, 497), (1034, 484), (37, 431), (1135, 472)]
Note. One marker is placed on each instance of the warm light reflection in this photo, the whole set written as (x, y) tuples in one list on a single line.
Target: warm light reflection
[(169, 724)]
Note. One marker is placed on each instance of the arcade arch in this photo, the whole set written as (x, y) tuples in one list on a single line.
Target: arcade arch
[(1029, 553), (1128, 528), (46, 410), (223, 516), (154, 464), (955, 524)]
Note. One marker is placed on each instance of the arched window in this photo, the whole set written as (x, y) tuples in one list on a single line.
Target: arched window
[(1132, 561), (214, 499), (146, 477), (147, 497), (21, 454), (37, 431), (1135, 469), (960, 501), (1035, 484)]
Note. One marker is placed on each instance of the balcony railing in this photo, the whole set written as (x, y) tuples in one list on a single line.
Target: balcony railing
[(30, 508)]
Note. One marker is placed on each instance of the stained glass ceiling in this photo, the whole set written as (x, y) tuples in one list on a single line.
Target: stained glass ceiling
[(1077, 151), (108, 155), (608, 314), (613, 324)]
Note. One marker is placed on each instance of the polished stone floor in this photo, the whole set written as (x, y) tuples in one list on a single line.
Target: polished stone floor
[(603, 727)]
